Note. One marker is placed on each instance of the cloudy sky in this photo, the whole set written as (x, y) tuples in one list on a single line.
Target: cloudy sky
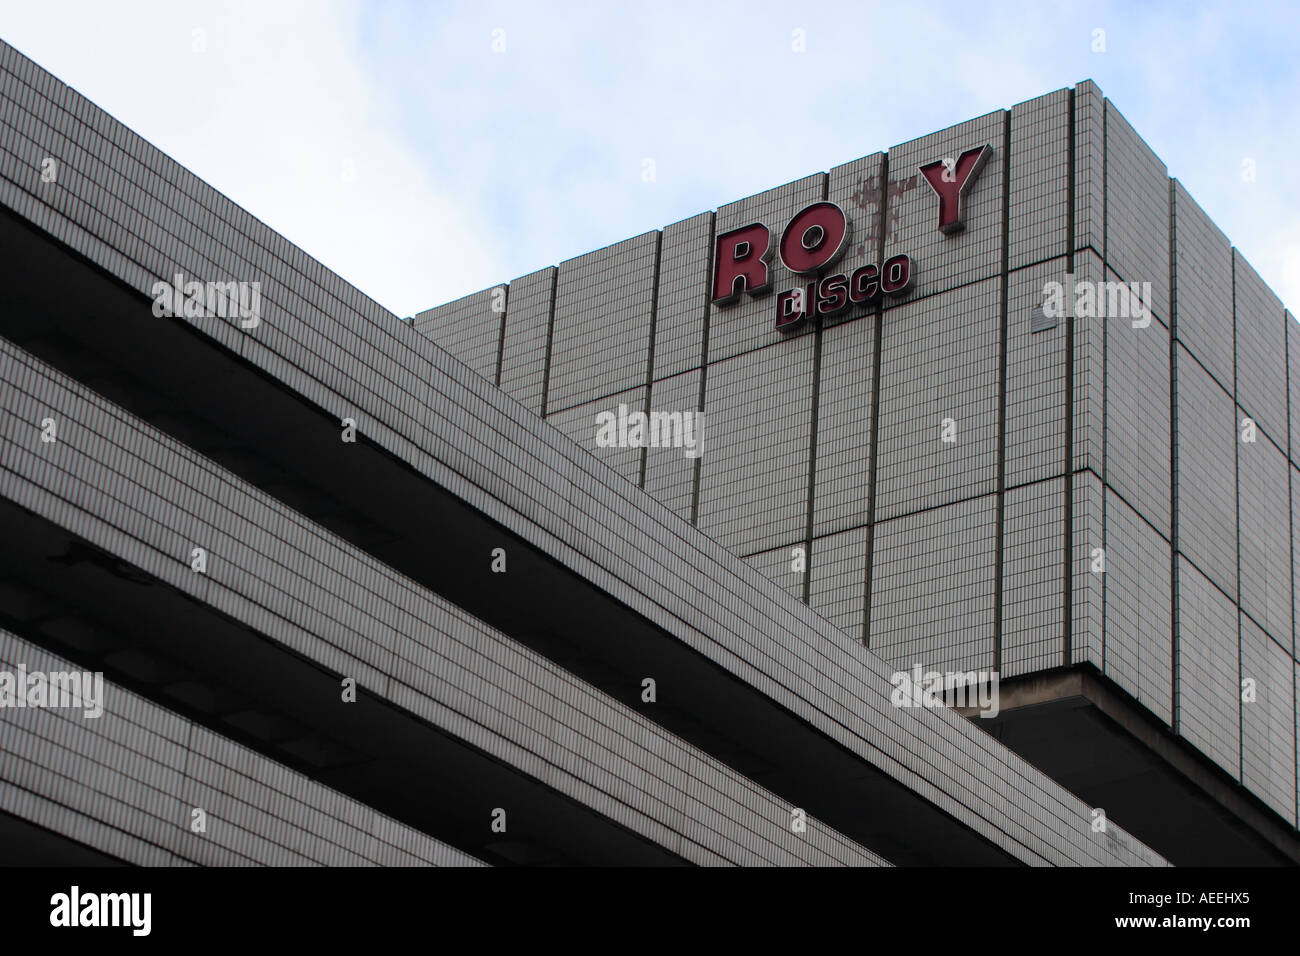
[(428, 150)]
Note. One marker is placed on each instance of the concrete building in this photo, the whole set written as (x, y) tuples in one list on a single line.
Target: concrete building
[(353, 603), (1063, 453)]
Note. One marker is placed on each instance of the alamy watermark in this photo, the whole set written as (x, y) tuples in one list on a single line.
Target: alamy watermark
[(53, 689), (974, 690), (194, 299), (77, 909), (1098, 300), (624, 429)]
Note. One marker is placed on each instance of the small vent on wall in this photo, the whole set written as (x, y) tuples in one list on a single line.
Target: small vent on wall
[(1040, 320)]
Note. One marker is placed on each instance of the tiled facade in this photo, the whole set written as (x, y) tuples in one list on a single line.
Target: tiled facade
[(831, 437), (132, 493), (130, 779)]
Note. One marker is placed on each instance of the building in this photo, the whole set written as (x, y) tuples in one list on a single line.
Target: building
[(352, 602), (910, 466)]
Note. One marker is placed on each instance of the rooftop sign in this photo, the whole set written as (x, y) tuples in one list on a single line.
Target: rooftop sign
[(816, 238)]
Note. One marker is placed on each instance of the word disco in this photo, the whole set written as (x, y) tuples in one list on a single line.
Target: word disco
[(812, 242), (834, 294)]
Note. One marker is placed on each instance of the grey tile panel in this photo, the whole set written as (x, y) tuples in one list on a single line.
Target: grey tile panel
[(682, 306), (1040, 178), (754, 470), (424, 407), (600, 343), (1089, 437), (1087, 571), (841, 497), (469, 328), (1089, 167), (527, 332), (582, 424), (1203, 287), (670, 471), (111, 477), (1295, 565), (932, 588), (1036, 365), (1209, 710), (1267, 722), (1293, 382), (781, 565), (1137, 212), (1137, 415), (1261, 351), (837, 589), (1138, 643), (1263, 503), (126, 783), (1206, 474), (1033, 545), (938, 377)]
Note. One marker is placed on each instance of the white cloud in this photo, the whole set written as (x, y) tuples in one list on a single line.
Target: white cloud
[(269, 114)]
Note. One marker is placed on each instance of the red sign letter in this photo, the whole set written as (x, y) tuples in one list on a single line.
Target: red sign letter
[(740, 262), (953, 183), (896, 275), (814, 238)]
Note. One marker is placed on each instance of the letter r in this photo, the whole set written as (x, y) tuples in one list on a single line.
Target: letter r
[(740, 262), (952, 192)]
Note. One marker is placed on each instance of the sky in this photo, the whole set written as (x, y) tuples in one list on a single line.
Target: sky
[(425, 151)]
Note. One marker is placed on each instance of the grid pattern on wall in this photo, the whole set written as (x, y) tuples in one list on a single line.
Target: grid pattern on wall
[(318, 595), (932, 595), (1031, 595), (600, 337), (1035, 414), (342, 353), (469, 328), (126, 781), (1157, 405)]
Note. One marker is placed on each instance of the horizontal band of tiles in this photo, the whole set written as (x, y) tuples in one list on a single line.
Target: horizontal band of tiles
[(130, 489), (126, 782)]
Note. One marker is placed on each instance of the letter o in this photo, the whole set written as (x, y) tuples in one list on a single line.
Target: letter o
[(896, 275), (815, 238)]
